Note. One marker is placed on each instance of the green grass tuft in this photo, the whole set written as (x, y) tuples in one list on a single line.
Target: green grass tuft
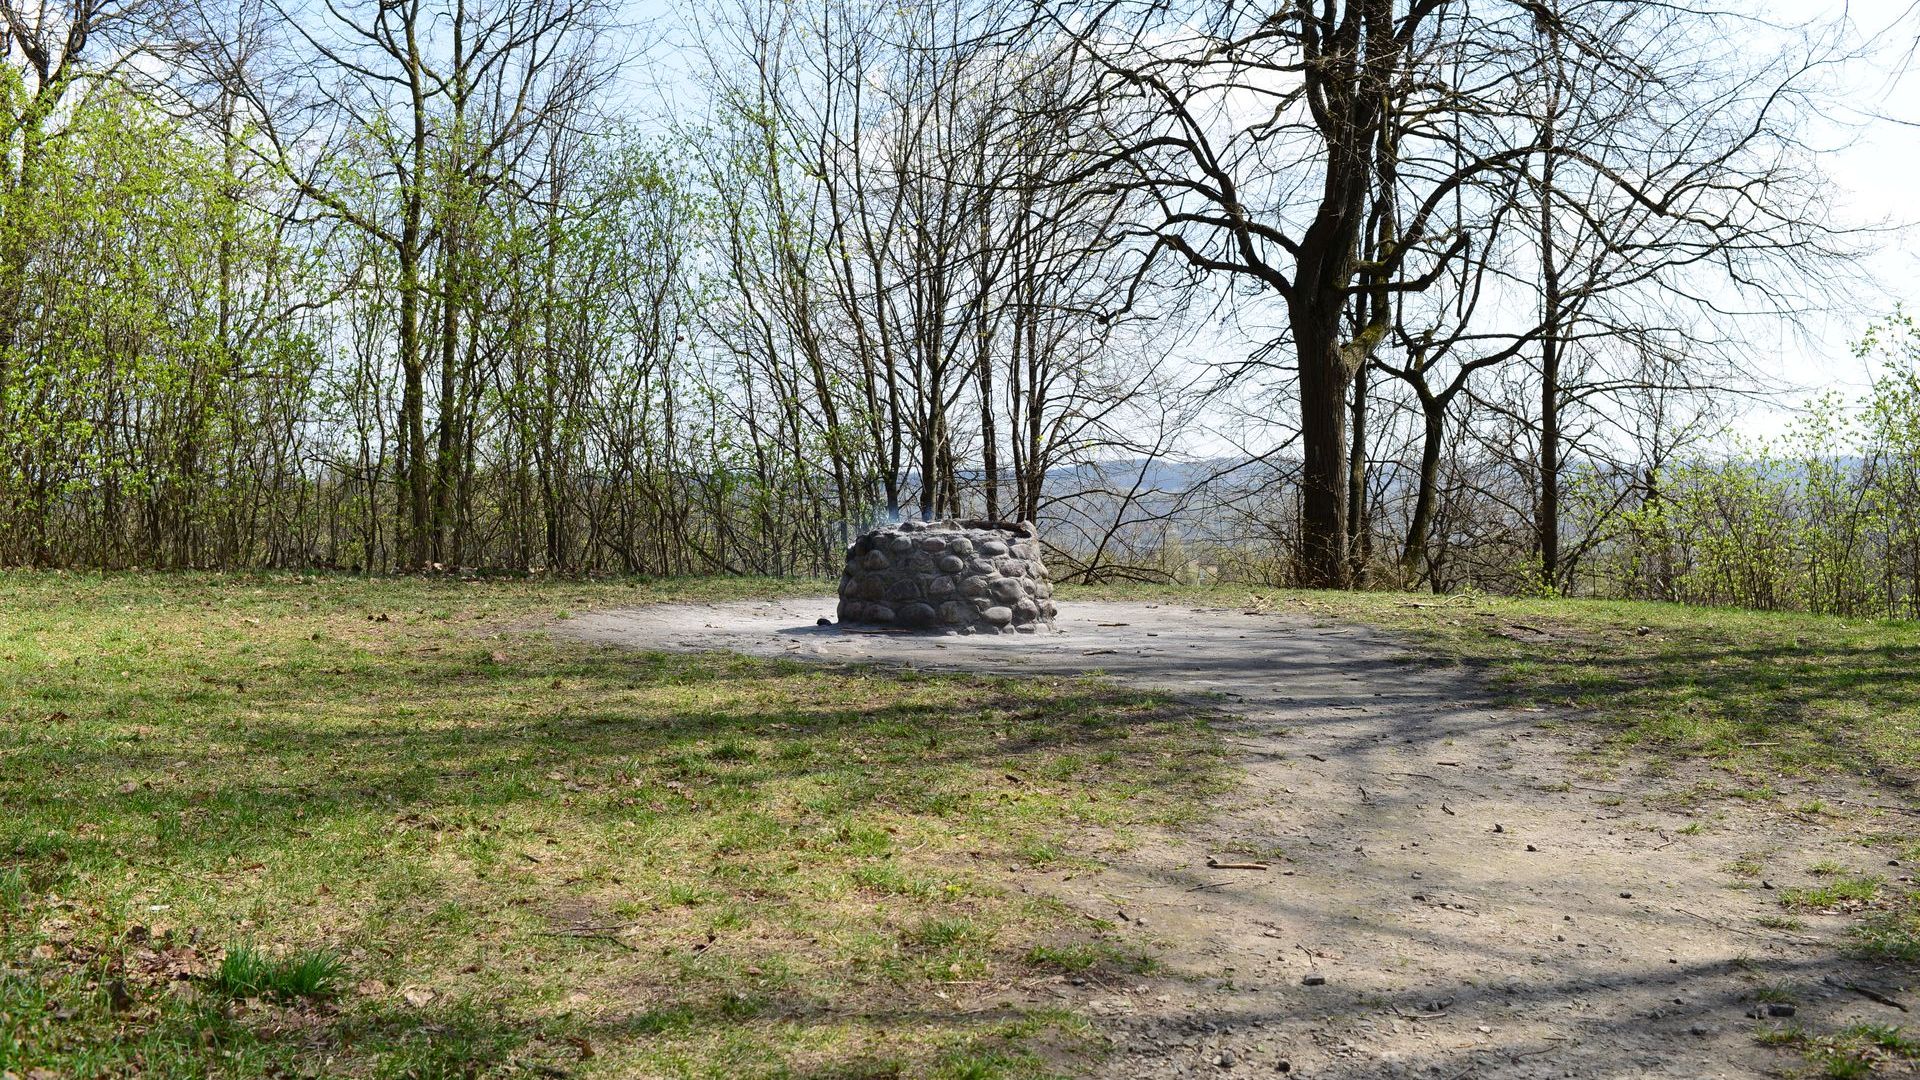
[(246, 971), (1837, 893), (1859, 1050)]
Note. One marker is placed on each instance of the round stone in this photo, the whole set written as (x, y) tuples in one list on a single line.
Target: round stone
[(1047, 610), (971, 587), (982, 568), (993, 547), (998, 616), (933, 544), (950, 564), (875, 560), (960, 546), (953, 613), (940, 587), (1025, 611), (900, 545), (879, 613), (849, 586), (873, 587), (1007, 590), (915, 615), (904, 588)]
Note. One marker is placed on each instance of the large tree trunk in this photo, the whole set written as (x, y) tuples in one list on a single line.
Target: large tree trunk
[(1323, 434)]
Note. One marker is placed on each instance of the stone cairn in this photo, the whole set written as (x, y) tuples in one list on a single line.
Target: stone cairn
[(969, 576)]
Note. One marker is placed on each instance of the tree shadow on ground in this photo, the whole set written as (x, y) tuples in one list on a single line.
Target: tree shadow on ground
[(773, 836)]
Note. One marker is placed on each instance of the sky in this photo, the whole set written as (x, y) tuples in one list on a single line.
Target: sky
[(1871, 154), (1874, 164)]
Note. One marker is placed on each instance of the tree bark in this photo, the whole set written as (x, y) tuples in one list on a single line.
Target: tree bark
[(1323, 435), (1550, 343), (1358, 546), (1413, 553)]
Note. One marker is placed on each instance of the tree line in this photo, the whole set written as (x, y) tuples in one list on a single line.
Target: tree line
[(1409, 292)]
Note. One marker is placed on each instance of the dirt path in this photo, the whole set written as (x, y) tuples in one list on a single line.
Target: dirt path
[(1448, 898)]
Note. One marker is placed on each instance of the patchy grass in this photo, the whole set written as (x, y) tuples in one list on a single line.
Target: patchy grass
[(1759, 694), (1838, 894), (1081, 957), (272, 825), (1892, 933), (1746, 697), (1856, 1051)]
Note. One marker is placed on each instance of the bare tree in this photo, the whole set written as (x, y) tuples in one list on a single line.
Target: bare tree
[(1346, 158), (397, 120), (1262, 138)]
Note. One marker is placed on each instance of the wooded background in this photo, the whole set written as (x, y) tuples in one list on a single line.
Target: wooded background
[(1418, 293)]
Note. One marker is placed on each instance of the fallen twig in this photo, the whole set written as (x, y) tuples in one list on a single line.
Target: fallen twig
[(614, 938), (1742, 930), (1867, 992)]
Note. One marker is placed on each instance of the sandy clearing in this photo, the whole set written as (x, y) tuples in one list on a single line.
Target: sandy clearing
[(1455, 898)]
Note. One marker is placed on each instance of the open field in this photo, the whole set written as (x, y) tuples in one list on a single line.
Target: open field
[(305, 826), (286, 825), (1540, 895)]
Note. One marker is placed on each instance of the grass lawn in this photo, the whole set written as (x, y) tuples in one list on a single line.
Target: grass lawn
[(282, 825)]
